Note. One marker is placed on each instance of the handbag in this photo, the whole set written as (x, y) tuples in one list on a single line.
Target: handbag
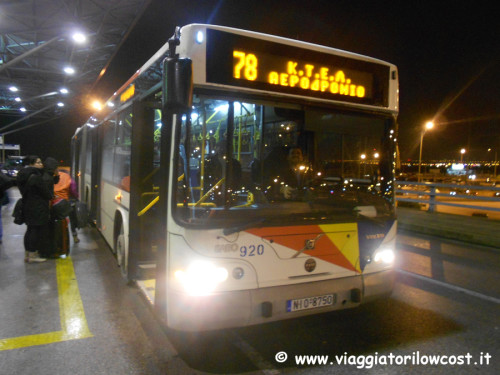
[(17, 213), (61, 208)]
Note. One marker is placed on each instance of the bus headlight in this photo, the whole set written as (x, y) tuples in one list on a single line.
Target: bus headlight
[(201, 277), (386, 256)]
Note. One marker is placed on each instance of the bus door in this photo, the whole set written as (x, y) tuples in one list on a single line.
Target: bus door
[(91, 186), (86, 168), (76, 143), (144, 231), (92, 172)]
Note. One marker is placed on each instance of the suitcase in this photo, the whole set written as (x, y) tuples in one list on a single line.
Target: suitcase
[(81, 214), (59, 235)]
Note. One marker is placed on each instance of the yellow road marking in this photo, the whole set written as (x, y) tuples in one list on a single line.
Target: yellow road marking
[(73, 322)]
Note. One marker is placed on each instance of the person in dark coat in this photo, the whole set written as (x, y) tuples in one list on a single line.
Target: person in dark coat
[(51, 173), (36, 193)]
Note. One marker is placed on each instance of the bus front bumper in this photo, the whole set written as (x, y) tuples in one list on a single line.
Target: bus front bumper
[(256, 306)]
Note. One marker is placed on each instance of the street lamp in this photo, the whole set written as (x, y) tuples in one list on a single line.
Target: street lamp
[(462, 152), (428, 126), (362, 159), (494, 163)]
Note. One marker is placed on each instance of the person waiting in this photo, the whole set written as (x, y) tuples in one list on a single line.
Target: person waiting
[(66, 189), (36, 194)]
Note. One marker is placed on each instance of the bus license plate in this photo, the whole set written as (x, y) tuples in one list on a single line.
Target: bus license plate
[(310, 302)]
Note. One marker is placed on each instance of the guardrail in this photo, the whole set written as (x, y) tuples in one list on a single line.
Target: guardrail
[(436, 191)]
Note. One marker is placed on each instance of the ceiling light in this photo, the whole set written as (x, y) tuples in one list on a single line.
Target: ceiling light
[(22, 109), (13, 88), (60, 104), (69, 70), (97, 105), (18, 99), (63, 91), (79, 38)]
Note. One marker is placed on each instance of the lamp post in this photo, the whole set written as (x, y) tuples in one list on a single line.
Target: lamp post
[(462, 152), (494, 163), (362, 161), (428, 126)]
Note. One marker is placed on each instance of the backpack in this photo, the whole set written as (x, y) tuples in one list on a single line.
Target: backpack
[(81, 214)]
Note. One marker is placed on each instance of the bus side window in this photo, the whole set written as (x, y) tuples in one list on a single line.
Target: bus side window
[(108, 142), (121, 175)]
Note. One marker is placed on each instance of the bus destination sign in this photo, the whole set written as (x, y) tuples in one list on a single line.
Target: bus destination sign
[(300, 74), (241, 61)]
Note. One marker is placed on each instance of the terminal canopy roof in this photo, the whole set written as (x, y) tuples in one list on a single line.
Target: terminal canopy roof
[(36, 45)]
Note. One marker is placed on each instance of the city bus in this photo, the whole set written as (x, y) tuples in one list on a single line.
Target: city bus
[(242, 178)]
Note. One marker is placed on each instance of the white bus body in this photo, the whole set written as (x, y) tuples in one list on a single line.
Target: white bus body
[(247, 246)]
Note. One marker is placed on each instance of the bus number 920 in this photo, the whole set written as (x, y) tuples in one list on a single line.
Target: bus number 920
[(251, 250)]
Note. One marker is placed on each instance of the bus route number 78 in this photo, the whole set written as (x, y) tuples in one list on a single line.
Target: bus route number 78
[(245, 63)]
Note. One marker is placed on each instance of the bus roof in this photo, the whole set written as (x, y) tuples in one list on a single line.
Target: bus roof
[(287, 41), (188, 31)]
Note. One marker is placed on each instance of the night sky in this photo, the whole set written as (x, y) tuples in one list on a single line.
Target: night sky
[(447, 53)]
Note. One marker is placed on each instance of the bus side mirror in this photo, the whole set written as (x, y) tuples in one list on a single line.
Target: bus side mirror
[(177, 83)]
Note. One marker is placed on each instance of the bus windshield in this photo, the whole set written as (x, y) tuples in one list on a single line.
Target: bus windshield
[(244, 163)]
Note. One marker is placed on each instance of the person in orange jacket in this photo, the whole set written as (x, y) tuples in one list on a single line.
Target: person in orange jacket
[(66, 189)]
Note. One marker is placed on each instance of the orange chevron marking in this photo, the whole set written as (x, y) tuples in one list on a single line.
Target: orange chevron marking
[(337, 245)]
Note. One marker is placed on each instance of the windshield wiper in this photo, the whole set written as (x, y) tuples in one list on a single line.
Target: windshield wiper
[(239, 228), (380, 220)]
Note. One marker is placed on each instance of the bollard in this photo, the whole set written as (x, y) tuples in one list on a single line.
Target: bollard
[(432, 199)]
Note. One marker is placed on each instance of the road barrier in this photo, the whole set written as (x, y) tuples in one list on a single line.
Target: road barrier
[(433, 194)]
